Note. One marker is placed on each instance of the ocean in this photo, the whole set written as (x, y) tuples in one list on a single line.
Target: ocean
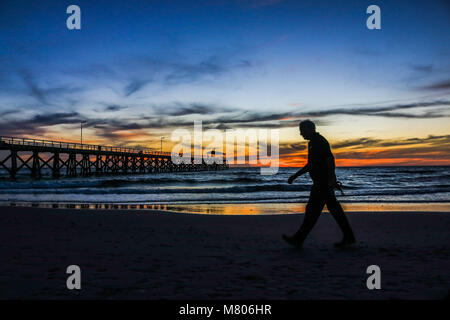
[(213, 189)]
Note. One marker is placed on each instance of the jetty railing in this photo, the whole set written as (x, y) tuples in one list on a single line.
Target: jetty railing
[(76, 146)]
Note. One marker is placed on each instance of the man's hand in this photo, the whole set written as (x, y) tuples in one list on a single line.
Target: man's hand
[(298, 173), (332, 182), (292, 178)]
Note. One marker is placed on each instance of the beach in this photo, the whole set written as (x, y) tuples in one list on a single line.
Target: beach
[(150, 254)]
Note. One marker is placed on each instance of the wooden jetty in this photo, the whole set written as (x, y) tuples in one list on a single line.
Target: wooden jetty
[(76, 159)]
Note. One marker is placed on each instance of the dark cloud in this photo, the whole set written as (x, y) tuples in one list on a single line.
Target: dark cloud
[(422, 68), (427, 152), (247, 117), (178, 115), (134, 86), (418, 73), (356, 142), (44, 95), (292, 148), (220, 126), (114, 107), (191, 72), (167, 71), (291, 119), (8, 112), (431, 139), (431, 147), (179, 109), (108, 125), (211, 66), (371, 142), (173, 119), (264, 125), (382, 111), (136, 72), (438, 86), (33, 88), (55, 119), (37, 124)]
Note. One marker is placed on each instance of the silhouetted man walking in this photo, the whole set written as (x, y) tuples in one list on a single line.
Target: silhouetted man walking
[(321, 168)]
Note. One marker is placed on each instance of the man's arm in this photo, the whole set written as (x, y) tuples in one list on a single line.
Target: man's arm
[(300, 172), (327, 155), (331, 172)]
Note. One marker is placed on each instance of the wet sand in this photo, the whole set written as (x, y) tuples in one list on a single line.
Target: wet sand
[(143, 254)]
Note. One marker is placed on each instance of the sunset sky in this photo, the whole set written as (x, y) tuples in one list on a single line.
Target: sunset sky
[(137, 70)]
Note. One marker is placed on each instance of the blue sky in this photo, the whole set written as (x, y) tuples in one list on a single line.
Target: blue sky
[(138, 69)]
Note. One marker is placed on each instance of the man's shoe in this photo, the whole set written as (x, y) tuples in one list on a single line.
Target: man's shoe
[(344, 243), (292, 241)]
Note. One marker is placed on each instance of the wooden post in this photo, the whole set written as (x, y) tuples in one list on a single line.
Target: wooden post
[(133, 163), (124, 164), (55, 171), (72, 165), (85, 165), (13, 163), (141, 164), (36, 169), (97, 164)]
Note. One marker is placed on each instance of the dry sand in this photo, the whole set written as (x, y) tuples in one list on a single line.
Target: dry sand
[(161, 255)]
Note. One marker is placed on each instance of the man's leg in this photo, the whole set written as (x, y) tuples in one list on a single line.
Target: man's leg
[(313, 209), (335, 208)]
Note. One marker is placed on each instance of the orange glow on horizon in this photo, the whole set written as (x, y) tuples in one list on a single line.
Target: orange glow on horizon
[(420, 154)]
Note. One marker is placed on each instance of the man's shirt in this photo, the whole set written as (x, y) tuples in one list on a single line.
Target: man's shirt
[(318, 152)]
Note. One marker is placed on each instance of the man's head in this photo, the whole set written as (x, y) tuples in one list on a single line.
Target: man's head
[(307, 129)]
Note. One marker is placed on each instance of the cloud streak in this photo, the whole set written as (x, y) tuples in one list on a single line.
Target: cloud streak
[(382, 111), (379, 143), (37, 124), (443, 85), (214, 116), (44, 95)]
